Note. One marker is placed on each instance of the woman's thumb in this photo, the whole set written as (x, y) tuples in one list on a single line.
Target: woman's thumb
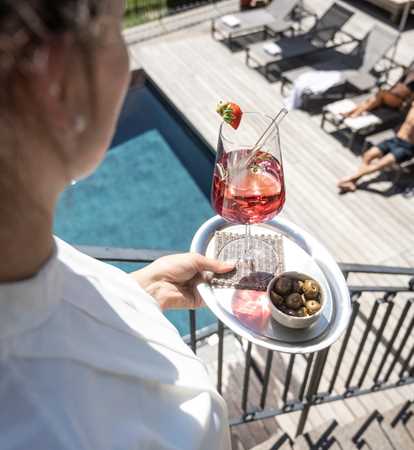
[(214, 265)]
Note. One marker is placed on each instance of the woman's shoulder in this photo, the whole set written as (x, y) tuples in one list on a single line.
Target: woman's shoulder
[(82, 263), (112, 297), (105, 320), (85, 278), (81, 270)]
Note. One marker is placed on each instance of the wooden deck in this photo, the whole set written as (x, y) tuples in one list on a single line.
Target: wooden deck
[(194, 71), (371, 226)]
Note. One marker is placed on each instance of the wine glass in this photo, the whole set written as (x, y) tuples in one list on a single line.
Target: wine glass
[(248, 183)]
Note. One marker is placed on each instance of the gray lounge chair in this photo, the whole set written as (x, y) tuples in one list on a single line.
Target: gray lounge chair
[(385, 117), (380, 119), (355, 68), (321, 37), (271, 20)]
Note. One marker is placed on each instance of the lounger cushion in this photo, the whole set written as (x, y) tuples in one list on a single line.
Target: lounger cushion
[(249, 20), (289, 48), (361, 81)]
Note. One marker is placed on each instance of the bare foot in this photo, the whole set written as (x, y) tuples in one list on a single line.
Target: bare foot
[(356, 112), (347, 186)]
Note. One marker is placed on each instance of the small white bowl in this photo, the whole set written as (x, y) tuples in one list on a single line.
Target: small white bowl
[(292, 321)]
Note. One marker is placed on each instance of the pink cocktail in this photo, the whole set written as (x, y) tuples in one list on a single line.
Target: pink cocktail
[(248, 182)]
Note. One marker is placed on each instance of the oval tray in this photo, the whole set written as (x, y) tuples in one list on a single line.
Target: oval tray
[(302, 253)]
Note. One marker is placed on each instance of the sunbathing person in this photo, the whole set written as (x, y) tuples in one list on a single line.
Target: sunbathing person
[(386, 154), (395, 97)]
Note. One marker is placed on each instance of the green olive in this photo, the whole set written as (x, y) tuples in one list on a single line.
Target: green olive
[(310, 289), (313, 306), (297, 286), (294, 301), (302, 312), (283, 285)]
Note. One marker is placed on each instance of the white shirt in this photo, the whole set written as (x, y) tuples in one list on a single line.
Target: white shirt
[(88, 361)]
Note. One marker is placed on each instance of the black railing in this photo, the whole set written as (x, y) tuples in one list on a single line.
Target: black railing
[(375, 353)]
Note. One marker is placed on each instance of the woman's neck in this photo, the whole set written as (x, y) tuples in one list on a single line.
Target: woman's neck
[(26, 240)]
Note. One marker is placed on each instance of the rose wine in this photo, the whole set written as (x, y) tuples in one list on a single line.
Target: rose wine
[(248, 193)]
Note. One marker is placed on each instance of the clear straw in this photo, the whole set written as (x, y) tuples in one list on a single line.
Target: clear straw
[(276, 120)]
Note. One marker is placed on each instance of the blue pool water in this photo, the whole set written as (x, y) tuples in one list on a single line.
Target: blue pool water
[(151, 191)]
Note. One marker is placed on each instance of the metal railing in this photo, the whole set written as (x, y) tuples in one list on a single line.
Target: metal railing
[(376, 352), (141, 11)]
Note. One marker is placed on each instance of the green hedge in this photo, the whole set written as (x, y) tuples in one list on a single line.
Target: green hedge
[(141, 11)]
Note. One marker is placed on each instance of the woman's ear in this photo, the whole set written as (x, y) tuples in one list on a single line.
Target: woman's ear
[(50, 81), (51, 74)]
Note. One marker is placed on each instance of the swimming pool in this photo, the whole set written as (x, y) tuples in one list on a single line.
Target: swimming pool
[(151, 191)]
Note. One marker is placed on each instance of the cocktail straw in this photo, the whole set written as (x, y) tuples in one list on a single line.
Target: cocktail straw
[(277, 119)]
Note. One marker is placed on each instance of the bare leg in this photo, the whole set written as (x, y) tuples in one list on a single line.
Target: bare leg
[(370, 155), (347, 183), (368, 166)]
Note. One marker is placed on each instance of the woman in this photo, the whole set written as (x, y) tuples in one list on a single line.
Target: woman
[(87, 360)]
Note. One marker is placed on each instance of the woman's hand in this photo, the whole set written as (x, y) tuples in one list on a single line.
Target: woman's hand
[(171, 279)]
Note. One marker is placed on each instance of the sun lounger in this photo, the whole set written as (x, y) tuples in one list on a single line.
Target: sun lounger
[(271, 20), (321, 37), (354, 68), (362, 126), (374, 121)]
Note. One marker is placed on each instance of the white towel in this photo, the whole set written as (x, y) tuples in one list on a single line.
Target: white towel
[(271, 48), (340, 107), (315, 81), (361, 122), (230, 21)]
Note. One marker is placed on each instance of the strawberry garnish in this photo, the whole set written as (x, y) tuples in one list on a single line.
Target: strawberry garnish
[(231, 113)]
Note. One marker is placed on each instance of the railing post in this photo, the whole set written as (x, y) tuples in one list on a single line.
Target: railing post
[(313, 388), (355, 309), (193, 328), (246, 377), (266, 378), (220, 333)]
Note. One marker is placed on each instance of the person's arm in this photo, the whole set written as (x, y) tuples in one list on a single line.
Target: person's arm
[(368, 105), (171, 279), (393, 98)]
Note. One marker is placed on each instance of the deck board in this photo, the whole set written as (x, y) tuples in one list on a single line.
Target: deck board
[(195, 71)]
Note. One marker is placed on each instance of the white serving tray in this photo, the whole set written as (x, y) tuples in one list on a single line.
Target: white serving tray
[(302, 253)]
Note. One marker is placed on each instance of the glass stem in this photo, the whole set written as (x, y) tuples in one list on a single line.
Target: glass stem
[(248, 254), (248, 236)]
